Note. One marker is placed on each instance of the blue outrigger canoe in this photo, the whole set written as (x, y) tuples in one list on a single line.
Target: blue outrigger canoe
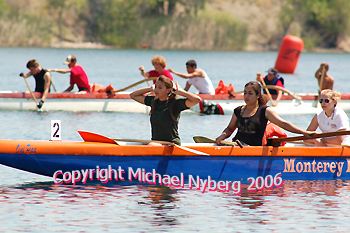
[(195, 164)]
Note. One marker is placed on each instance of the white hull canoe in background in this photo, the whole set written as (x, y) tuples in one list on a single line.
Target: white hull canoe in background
[(72, 102), (290, 107), (121, 102)]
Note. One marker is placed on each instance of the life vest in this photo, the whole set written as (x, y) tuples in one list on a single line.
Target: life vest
[(273, 130), (224, 89), (273, 82)]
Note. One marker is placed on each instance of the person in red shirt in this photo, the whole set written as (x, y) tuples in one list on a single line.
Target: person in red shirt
[(77, 75), (159, 64), (272, 78)]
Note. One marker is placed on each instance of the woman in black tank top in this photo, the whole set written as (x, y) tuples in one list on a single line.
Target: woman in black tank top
[(251, 119)]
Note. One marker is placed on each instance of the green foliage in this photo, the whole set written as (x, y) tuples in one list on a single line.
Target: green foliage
[(323, 20), (22, 28), (206, 31), (3, 7), (165, 24), (116, 22)]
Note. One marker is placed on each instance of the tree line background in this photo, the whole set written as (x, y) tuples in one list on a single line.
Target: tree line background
[(176, 24)]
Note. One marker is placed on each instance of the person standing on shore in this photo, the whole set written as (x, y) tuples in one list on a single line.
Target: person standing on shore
[(159, 64), (77, 75), (42, 79), (197, 78), (328, 81)]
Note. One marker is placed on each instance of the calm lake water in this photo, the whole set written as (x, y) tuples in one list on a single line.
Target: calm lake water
[(33, 203)]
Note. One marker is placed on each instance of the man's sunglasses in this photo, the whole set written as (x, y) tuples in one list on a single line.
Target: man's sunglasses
[(325, 100)]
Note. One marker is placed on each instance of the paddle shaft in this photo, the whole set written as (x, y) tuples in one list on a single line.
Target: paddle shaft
[(93, 137), (143, 141), (294, 96), (321, 84), (311, 144), (133, 85), (144, 75), (320, 135), (36, 101), (163, 143), (267, 91), (53, 86)]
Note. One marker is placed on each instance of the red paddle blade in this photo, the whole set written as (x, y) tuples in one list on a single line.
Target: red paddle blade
[(93, 137)]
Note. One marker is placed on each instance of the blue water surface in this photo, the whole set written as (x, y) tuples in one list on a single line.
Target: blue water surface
[(33, 203)]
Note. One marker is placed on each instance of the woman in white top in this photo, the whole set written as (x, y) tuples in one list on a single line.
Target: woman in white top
[(331, 119)]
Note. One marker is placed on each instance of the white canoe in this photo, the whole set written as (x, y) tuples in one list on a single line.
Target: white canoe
[(121, 102)]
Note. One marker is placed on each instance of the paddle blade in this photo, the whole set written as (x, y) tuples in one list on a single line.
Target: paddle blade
[(93, 137), (201, 139)]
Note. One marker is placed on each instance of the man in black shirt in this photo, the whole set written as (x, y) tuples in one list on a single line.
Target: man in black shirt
[(42, 79)]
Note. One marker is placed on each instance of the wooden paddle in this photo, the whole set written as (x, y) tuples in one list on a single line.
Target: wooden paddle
[(311, 144), (133, 85), (53, 86), (267, 91), (93, 137), (201, 139), (36, 101), (276, 141), (163, 143), (293, 95), (144, 75), (321, 84)]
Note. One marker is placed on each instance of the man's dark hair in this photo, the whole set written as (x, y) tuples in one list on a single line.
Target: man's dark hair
[(191, 63), (32, 63)]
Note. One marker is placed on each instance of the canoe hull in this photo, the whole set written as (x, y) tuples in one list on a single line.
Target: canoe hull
[(121, 102), (223, 164)]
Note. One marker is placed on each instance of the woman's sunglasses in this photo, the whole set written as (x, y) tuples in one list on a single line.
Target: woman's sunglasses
[(325, 100)]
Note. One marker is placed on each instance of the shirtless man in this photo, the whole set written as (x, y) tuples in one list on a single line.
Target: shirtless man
[(328, 80), (197, 78)]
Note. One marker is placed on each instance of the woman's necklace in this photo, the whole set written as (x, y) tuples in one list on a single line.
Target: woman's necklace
[(250, 113)]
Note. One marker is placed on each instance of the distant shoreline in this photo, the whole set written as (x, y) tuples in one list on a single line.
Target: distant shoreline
[(81, 45), (94, 45)]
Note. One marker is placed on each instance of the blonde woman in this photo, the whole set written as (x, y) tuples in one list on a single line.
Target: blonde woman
[(331, 119), (159, 64)]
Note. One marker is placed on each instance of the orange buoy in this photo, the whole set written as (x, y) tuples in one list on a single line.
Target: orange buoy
[(288, 54)]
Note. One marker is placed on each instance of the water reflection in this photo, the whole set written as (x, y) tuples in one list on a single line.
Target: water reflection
[(94, 207), (162, 200)]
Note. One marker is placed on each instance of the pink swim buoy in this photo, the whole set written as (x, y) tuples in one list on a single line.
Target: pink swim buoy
[(288, 54)]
